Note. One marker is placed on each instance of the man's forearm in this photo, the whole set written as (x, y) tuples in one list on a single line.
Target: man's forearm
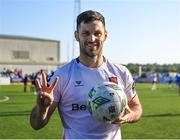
[(38, 118), (137, 113), (136, 108)]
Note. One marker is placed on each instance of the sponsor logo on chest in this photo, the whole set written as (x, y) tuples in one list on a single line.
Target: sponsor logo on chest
[(78, 84)]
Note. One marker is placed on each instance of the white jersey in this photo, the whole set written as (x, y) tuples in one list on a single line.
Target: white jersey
[(71, 92)]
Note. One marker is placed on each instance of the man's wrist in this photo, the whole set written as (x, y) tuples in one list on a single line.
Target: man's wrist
[(41, 112)]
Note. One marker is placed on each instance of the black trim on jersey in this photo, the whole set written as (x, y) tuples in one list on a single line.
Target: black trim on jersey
[(77, 60)]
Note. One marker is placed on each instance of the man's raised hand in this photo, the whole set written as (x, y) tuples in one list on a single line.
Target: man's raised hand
[(45, 97)]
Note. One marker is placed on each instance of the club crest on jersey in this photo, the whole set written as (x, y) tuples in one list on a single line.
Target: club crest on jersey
[(113, 79)]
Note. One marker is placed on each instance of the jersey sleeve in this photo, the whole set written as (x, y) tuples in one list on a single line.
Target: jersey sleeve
[(129, 85)]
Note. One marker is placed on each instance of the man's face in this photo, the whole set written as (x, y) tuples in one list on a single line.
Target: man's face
[(91, 37)]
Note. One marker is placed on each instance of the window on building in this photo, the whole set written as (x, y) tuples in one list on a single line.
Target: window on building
[(50, 58), (20, 54)]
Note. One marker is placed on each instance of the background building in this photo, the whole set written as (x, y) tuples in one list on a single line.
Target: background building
[(28, 54)]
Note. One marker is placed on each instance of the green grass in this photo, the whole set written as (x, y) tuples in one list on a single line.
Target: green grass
[(161, 116), (160, 120), (14, 116)]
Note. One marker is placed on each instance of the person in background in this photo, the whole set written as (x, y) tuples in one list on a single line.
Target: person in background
[(33, 83), (154, 82), (178, 82), (25, 80)]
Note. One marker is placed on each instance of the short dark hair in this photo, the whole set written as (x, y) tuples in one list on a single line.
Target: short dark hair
[(89, 16)]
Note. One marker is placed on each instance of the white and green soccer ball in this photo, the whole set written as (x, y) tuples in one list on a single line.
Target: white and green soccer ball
[(106, 102)]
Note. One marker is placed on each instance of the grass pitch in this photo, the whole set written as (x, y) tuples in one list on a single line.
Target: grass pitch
[(160, 120), (161, 115)]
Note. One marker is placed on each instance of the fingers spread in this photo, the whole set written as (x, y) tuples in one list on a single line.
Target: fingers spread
[(44, 87), (54, 83), (38, 84), (44, 81)]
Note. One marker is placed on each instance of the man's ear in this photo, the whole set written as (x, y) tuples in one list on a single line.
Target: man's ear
[(106, 35), (76, 34)]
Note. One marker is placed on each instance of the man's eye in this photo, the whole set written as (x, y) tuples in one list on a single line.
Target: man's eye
[(98, 34), (85, 34)]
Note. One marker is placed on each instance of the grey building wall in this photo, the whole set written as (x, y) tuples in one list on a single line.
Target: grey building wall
[(29, 54)]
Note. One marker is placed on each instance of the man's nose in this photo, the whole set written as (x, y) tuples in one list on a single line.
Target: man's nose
[(92, 38)]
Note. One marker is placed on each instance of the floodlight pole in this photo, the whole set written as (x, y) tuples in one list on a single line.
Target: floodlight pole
[(77, 10)]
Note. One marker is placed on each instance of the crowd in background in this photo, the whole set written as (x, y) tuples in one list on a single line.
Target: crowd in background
[(17, 76), (160, 77)]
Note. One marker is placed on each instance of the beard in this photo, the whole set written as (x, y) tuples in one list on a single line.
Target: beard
[(91, 49)]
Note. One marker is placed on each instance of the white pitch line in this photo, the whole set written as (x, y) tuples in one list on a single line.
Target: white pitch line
[(6, 98)]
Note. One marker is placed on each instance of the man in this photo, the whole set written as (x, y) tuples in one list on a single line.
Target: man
[(154, 82), (25, 80), (70, 85)]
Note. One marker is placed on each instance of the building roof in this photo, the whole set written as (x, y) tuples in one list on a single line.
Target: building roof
[(26, 38)]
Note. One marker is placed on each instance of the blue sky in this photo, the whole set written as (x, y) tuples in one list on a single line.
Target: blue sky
[(139, 31)]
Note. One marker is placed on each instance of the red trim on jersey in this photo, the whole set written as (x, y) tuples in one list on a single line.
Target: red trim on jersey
[(113, 79)]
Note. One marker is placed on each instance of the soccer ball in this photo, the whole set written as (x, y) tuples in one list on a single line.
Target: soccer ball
[(106, 102)]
